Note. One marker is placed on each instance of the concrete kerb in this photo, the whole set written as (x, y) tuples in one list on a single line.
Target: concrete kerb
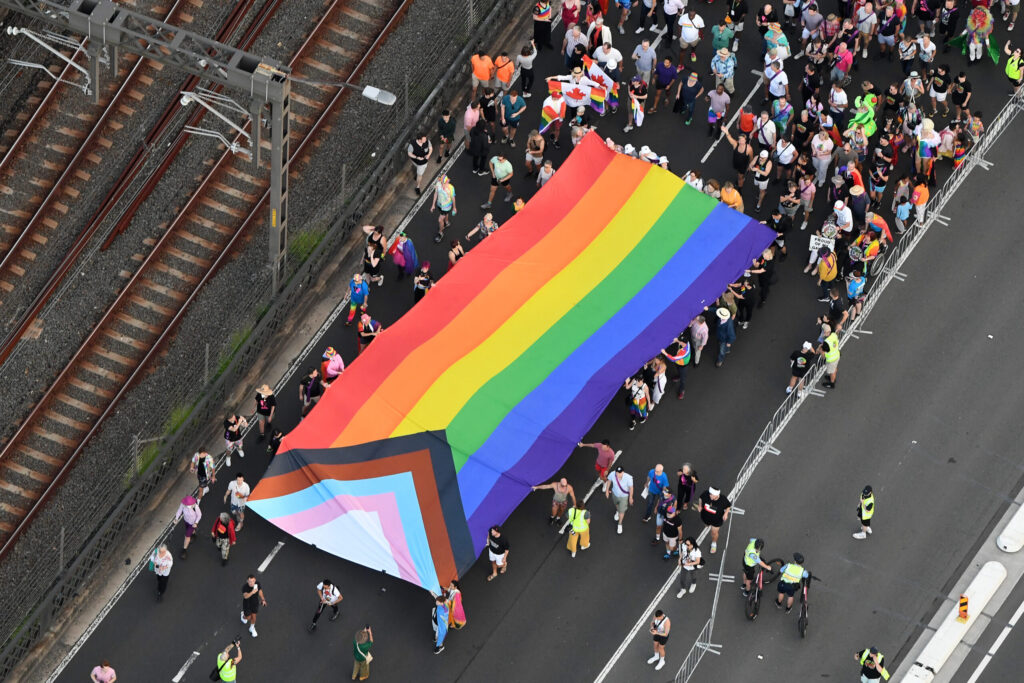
[(979, 619), (292, 343)]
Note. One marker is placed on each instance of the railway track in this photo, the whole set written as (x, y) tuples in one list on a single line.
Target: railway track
[(197, 241), (12, 264)]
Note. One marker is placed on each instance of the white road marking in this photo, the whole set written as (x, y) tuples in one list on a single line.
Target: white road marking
[(184, 667), (996, 645), (266, 563), (735, 114), (593, 488)]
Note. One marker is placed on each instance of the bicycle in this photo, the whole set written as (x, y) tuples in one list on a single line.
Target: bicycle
[(764, 578), (801, 622)]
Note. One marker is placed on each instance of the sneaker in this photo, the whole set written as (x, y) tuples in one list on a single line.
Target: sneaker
[(869, 531), (789, 390), (1010, 27), (693, 588), (661, 665), (619, 531), (653, 659), (645, 520), (744, 325), (627, 128), (655, 541), (241, 453), (693, 58), (487, 205), (643, 419), (311, 628), (681, 593), (551, 520), (242, 616), (616, 517), (622, 31), (504, 141), (335, 615), (508, 197), (864, 53), (744, 592), (829, 385), (380, 283), (418, 190), (639, 30), (527, 95), (666, 556), (584, 547), (778, 605), (227, 461), (788, 610), (632, 425), (439, 649), (823, 299), (714, 547), (183, 554), (803, 226), (860, 535), (573, 553), (252, 630)]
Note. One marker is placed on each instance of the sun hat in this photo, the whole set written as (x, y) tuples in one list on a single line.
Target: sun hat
[(723, 314)]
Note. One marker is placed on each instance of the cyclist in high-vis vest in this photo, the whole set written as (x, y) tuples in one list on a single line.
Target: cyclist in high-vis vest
[(872, 665), (793, 574), (829, 348), (751, 561), (227, 666), (865, 511), (579, 528)]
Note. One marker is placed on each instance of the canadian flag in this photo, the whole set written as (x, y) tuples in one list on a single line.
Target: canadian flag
[(576, 93)]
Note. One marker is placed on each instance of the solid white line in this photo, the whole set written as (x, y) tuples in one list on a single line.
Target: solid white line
[(266, 563), (592, 489), (995, 646), (735, 114), (184, 667)]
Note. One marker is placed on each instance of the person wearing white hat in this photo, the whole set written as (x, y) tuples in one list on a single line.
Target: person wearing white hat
[(726, 334), (761, 167), (714, 512), (800, 362), (844, 216)]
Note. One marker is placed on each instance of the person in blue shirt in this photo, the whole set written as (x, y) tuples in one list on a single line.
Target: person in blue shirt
[(358, 296), (657, 481), (726, 334), (793, 574), (855, 282)]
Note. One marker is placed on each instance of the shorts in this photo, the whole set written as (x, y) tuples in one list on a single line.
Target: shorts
[(671, 542), (831, 367), (865, 522), (485, 83), (510, 123), (806, 204), (532, 159), (420, 169), (787, 588), (237, 508), (601, 471), (496, 559), (939, 96), (887, 40), (228, 445), (190, 530), (877, 188), (761, 184), (683, 45), (739, 27), (710, 521), (750, 573), (506, 183), (1015, 82), (726, 82), (250, 607), (621, 504), (660, 640), (445, 212)]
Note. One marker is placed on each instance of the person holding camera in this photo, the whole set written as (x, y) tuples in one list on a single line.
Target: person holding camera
[(227, 666)]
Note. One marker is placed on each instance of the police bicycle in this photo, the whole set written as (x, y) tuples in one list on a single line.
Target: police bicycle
[(805, 586), (764, 578)]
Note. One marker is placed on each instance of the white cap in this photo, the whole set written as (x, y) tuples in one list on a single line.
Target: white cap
[(839, 206), (629, 149), (713, 491), (808, 346), (763, 154)]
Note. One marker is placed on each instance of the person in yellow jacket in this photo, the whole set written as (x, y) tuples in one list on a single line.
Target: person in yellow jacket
[(865, 511), (227, 666), (579, 528), (829, 348), (872, 667)]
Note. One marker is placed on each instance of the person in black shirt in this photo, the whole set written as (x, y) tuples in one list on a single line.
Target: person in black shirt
[(738, 10), (489, 108), (714, 512), (445, 133), (800, 362), (949, 17), (960, 93), (252, 600), (938, 89), (838, 310), (764, 268), (310, 390), (266, 406), (497, 552)]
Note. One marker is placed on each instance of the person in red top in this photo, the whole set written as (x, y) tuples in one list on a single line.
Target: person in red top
[(223, 534), (605, 457), (919, 196)]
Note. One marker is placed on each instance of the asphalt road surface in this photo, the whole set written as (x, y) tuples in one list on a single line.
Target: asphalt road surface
[(556, 618)]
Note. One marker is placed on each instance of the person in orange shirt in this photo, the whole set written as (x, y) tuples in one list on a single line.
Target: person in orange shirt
[(483, 71), (732, 197), (504, 69), (919, 196)]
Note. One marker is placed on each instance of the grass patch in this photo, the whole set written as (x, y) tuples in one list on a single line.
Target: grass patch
[(176, 419), (237, 340), (301, 245)]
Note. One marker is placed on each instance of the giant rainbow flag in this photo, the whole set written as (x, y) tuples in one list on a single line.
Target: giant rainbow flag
[(437, 431)]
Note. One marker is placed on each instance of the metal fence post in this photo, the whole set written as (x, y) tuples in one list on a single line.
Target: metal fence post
[(135, 455), (206, 365), (472, 16)]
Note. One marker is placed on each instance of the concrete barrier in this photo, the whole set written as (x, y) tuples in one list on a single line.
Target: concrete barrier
[(951, 632), (1011, 539)]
